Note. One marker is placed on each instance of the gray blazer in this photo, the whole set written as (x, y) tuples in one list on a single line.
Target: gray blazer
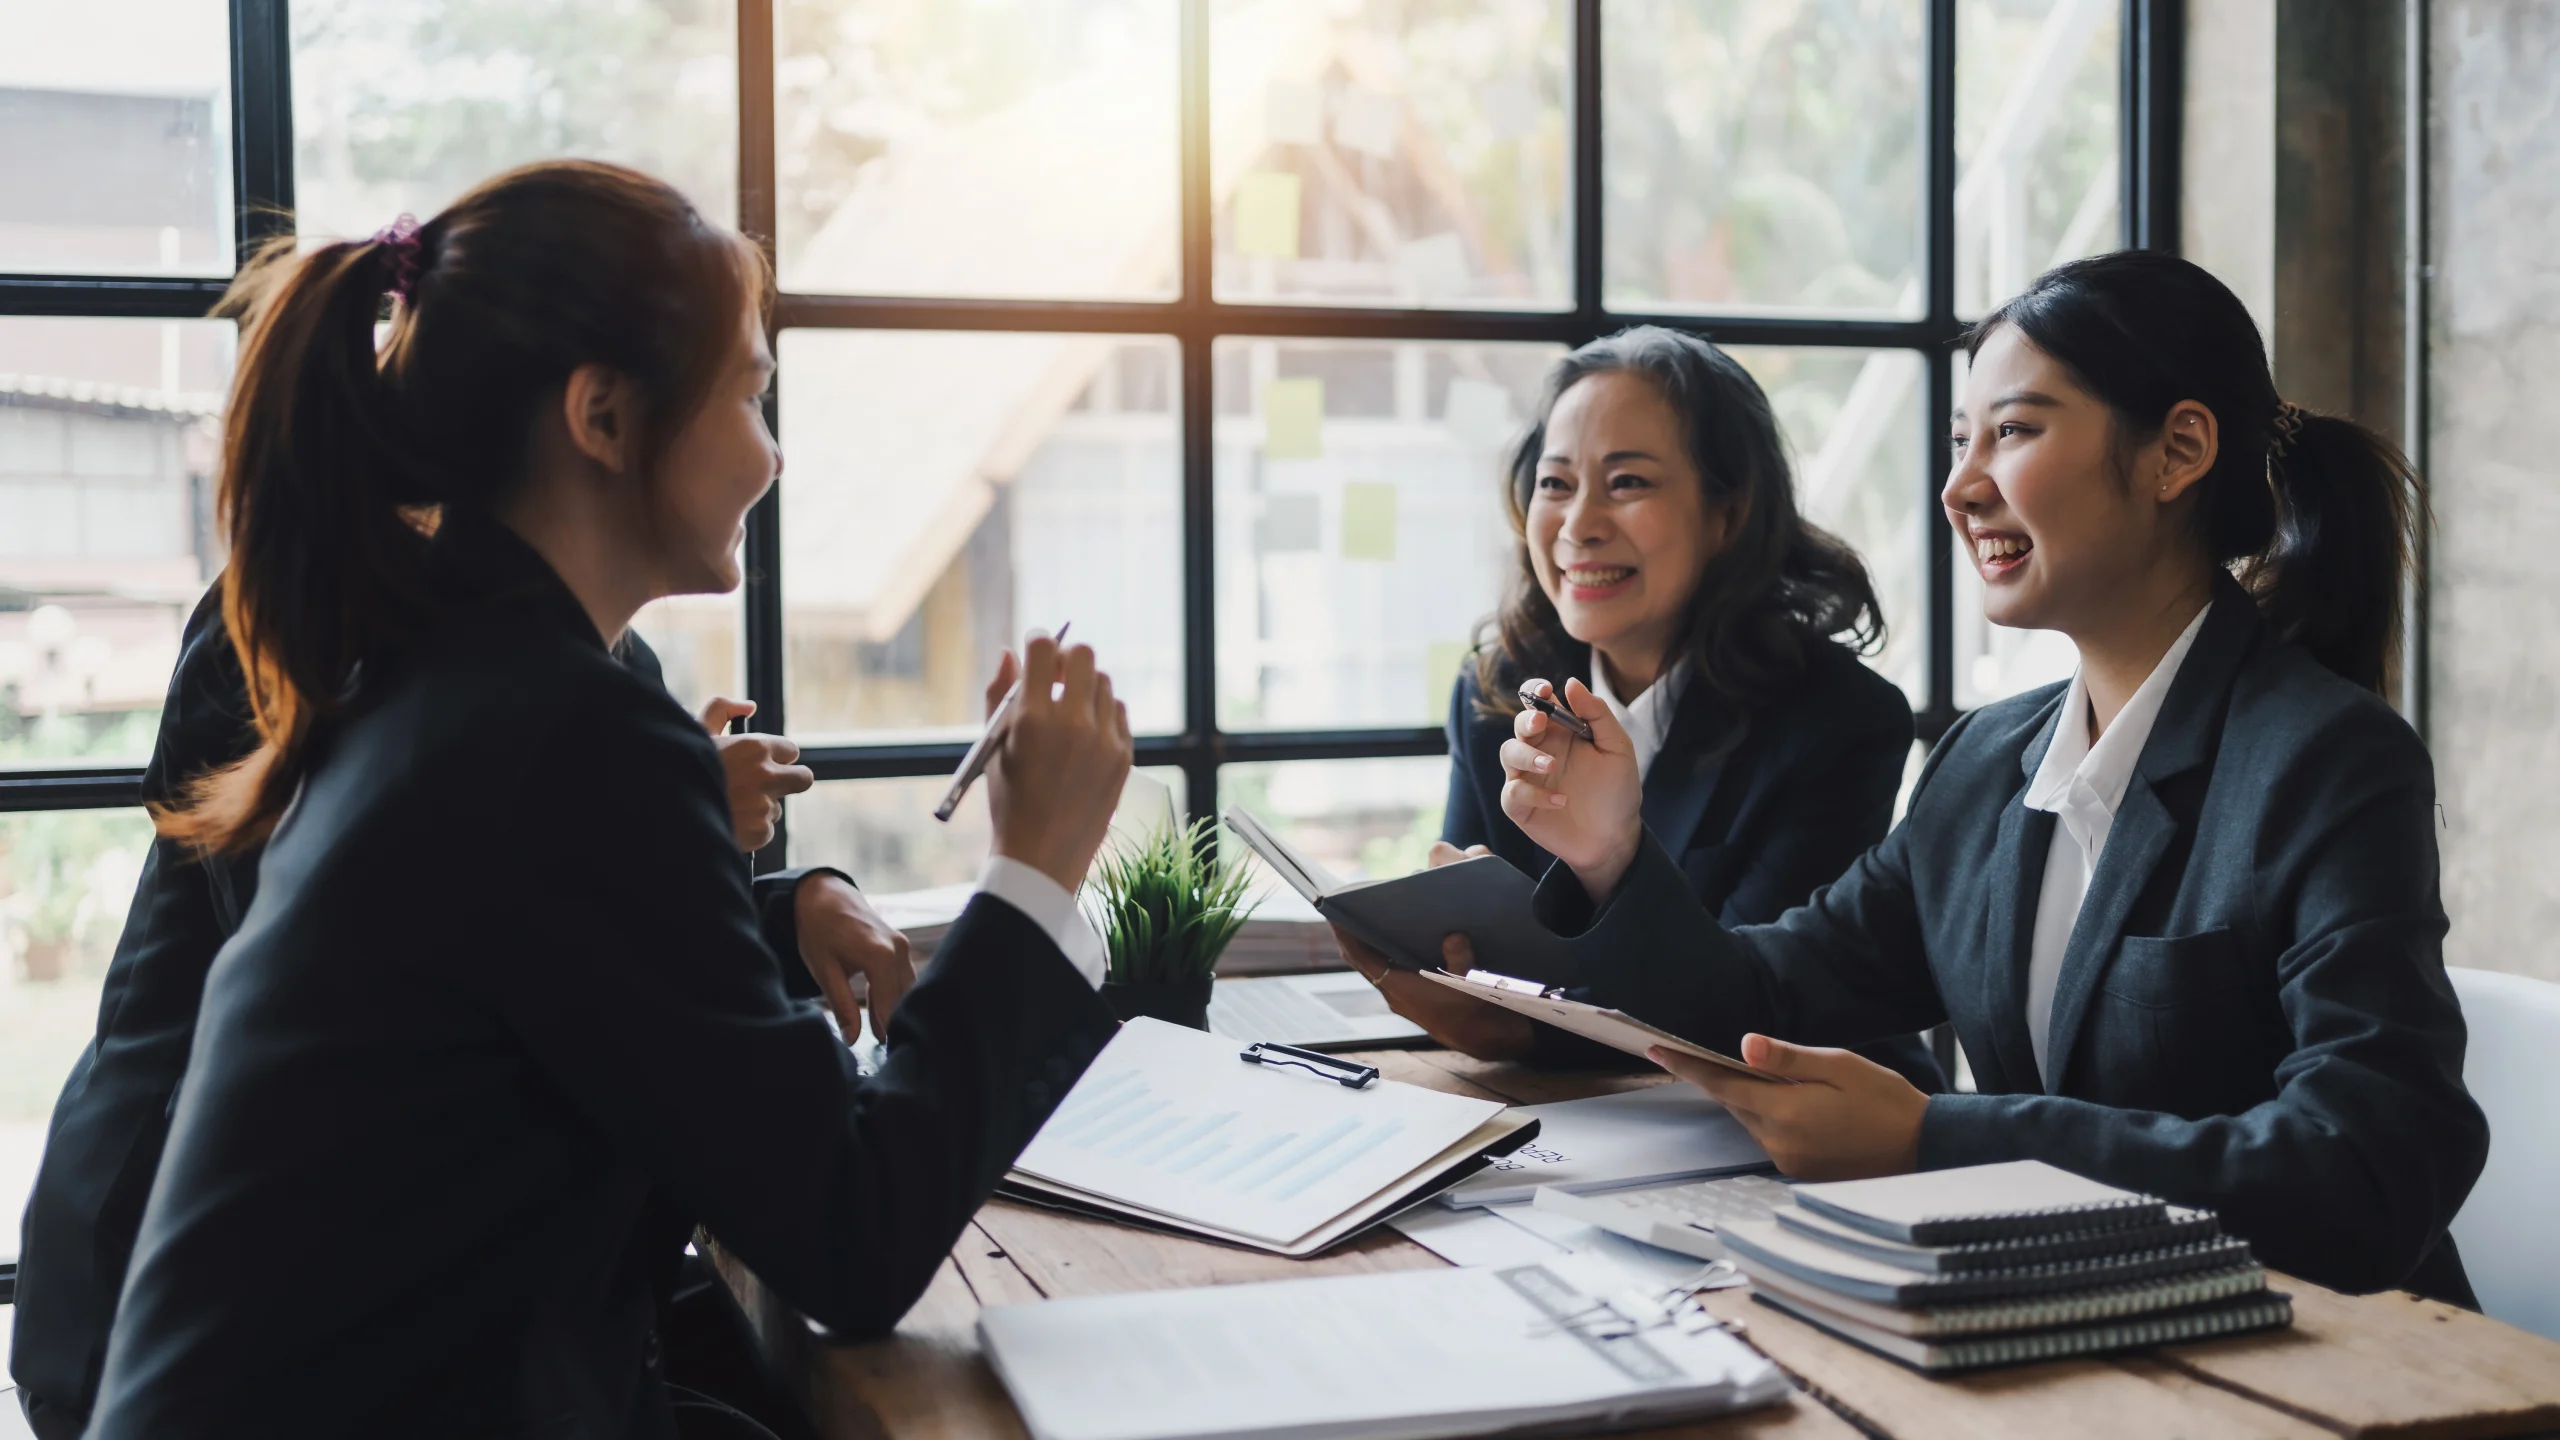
[(2253, 1013)]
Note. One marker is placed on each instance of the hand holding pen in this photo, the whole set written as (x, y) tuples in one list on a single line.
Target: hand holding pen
[(1570, 783), (1059, 758)]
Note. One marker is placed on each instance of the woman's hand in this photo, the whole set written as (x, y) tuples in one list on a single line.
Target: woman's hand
[(1057, 773), (1846, 1118), (841, 936), (1583, 802), (760, 770), (1460, 1022)]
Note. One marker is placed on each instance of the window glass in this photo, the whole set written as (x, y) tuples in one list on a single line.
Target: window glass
[(1362, 531), (2037, 109), (401, 105), (108, 434), (66, 877), (1397, 152), (1763, 154), (978, 147), (1851, 419), (882, 832), (1360, 819), (118, 118), (945, 492)]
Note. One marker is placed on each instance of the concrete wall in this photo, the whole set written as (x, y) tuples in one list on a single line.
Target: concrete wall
[(2494, 433)]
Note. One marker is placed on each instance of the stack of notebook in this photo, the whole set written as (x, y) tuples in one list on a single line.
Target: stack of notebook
[(1960, 1269)]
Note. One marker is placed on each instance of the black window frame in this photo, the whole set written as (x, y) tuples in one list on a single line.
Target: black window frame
[(2151, 41)]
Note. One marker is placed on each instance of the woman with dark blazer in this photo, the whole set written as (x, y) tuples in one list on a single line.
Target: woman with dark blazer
[(2183, 910), (1662, 559), (444, 1071), (102, 1150)]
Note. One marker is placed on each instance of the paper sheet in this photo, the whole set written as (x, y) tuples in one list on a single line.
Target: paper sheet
[(1291, 524), (1170, 1120), (1478, 412), (1293, 419), (1267, 214), (1366, 120), (1293, 113), (1440, 673), (1368, 520)]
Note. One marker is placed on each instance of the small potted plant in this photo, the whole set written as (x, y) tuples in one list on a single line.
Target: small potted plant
[(1167, 904)]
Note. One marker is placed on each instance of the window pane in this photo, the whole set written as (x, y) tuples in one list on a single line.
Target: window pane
[(2036, 141), (998, 147), (1360, 819), (401, 105), (946, 492), (1397, 152), (66, 877), (118, 118), (1361, 526), (700, 640), (1852, 424), (882, 832), (1763, 154), (107, 444)]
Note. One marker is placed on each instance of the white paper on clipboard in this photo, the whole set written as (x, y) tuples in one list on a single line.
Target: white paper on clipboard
[(1614, 1028)]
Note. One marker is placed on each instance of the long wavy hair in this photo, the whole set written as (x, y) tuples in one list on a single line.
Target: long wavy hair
[(1780, 585)]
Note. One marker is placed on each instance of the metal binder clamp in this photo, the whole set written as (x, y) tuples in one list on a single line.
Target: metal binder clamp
[(1343, 1072)]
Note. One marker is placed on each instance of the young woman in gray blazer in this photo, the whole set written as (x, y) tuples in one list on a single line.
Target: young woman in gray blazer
[(2182, 910)]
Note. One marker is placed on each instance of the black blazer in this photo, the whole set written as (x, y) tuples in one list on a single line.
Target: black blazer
[(2252, 1015), (1755, 811), (103, 1146), (445, 1063)]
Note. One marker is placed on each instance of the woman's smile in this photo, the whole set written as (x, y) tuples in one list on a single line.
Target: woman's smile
[(1589, 583)]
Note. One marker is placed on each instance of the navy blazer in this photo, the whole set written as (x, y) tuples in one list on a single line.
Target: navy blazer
[(2252, 1015), (1755, 810), (102, 1149), (445, 1068)]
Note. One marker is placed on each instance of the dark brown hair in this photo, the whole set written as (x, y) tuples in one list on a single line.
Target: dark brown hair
[(2317, 515), (1781, 583), (338, 455)]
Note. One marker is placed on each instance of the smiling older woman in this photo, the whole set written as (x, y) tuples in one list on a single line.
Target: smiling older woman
[(1663, 564)]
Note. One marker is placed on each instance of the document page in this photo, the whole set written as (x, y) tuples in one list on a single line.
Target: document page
[(1429, 1352), (1170, 1119)]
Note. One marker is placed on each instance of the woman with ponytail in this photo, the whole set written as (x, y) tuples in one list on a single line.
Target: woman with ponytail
[(1663, 568), (2182, 910), (457, 1098)]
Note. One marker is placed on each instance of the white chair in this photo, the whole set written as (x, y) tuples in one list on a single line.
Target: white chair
[(2509, 1229)]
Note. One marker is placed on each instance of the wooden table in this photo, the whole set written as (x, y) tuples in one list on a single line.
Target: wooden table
[(2374, 1365)]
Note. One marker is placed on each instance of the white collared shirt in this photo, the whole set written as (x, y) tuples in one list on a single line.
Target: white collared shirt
[(2082, 784), (1647, 719), (1048, 905)]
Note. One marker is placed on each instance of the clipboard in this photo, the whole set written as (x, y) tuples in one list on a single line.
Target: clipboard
[(1614, 1028)]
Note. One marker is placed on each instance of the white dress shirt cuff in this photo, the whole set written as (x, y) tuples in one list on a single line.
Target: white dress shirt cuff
[(1046, 904)]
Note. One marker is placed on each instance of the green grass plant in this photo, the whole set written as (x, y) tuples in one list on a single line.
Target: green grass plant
[(1168, 904)]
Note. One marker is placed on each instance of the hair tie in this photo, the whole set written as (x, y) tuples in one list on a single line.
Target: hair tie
[(400, 237), (2286, 430)]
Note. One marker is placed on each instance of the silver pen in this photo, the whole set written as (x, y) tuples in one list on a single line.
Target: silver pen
[(1554, 710), (974, 764)]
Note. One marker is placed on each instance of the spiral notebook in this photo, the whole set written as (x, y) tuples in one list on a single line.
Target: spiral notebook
[(2011, 1201), (2032, 1312), (2179, 1227), (2264, 1310), (1763, 1245)]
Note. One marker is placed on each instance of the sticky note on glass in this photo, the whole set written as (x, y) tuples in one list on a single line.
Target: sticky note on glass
[(1267, 214), (1365, 120), (1293, 419), (1434, 266), (1511, 107), (1290, 525), (1293, 113), (1368, 520), (1440, 673)]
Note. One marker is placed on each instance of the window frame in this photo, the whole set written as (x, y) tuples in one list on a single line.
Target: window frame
[(2150, 78)]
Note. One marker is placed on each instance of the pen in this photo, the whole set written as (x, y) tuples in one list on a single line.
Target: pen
[(1530, 697), (974, 764)]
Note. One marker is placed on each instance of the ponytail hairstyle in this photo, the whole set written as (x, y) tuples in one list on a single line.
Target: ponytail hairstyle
[(2317, 515), (1780, 584), (341, 454)]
